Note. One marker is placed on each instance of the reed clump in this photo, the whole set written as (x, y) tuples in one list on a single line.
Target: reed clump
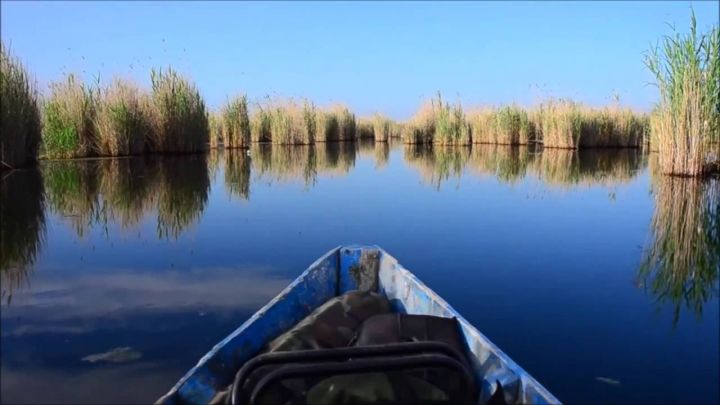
[(69, 120), (381, 127), (334, 124), (687, 121), (182, 117), (451, 126), (561, 124), (260, 121), (513, 126), (327, 127), (420, 129), (293, 123), (365, 128), (215, 122), (483, 125), (235, 123), (20, 122), (122, 120)]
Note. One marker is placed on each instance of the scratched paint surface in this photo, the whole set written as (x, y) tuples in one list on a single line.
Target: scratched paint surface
[(143, 265)]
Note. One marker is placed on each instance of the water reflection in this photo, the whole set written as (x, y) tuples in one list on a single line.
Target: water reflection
[(113, 289), (510, 164), (682, 262), (435, 163), (22, 229), (90, 193), (237, 173)]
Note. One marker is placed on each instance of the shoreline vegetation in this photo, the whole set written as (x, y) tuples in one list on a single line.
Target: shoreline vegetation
[(77, 119)]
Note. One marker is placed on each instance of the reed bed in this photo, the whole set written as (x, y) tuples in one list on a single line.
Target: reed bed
[(381, 127), (260, 121), (687, 122), (20, 120), (513, 126), (681, 263), (347, 125), (483, 126), (69, 120), (420, 129), (293, 123), (235, 123), (334, 124), (365, 128), (123, 120), (22, 209), (451, 126), (215, 122), (182, 117)]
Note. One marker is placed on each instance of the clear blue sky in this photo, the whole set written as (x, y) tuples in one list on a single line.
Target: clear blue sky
[(372, 56)]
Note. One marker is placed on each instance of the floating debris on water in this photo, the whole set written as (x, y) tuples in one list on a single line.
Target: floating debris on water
[(606, 380), (116, 355)]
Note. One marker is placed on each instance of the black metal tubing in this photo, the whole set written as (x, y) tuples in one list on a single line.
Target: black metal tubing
[(374, 364), (339, 354)]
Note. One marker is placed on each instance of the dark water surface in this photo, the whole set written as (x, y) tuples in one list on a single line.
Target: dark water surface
[(596, 276)]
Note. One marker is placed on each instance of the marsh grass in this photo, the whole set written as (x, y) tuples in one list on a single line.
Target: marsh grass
[(561, 124), (687, 123), (483, 125), (69, 120), (215, 122), (451, 126), (381, 127), (513, 126), (235, 123), (327, 127), (22, 209), (365, 128), (681, 262), (293, 123), (181, 114), (123, 120), (20, 121), (260, 123)]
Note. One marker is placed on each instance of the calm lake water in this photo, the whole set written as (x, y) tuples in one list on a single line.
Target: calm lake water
[(596, 276)]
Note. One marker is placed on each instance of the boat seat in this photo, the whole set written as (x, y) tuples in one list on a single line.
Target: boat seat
[(390, 373)]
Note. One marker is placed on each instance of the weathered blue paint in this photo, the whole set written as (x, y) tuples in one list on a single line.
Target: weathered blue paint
[(340, 270)]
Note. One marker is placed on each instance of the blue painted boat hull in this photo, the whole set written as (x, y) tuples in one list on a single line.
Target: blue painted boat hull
[(338, 271)]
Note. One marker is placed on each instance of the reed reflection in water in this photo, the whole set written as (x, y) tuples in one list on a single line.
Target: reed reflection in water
[(682, 259), (22, 229), (680, 264)]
